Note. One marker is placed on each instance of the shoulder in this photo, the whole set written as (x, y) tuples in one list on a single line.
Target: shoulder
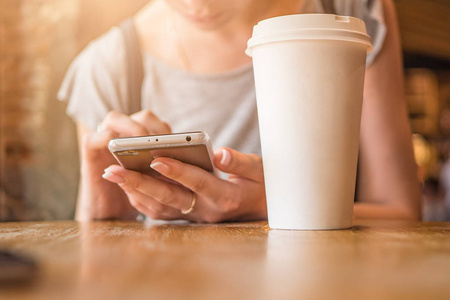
[(100, 66), (372, 13), (96, 80), (106, 51)]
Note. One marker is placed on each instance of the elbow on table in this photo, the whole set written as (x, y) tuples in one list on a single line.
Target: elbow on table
[(410, 213), (377, 210)]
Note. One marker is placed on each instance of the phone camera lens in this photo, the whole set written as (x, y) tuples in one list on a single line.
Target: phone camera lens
[(188, 138)]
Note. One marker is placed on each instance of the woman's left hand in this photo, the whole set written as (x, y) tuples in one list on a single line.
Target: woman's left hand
[(241, 197)]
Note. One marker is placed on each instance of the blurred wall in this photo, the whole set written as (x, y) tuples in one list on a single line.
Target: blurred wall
[(424, 26), (39, 165), (38, 160)]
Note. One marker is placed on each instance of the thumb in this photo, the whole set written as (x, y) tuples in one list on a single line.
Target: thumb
[(234, 162)]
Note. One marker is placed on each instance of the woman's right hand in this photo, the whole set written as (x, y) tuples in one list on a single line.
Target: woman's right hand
[(98, 198), (195, 194)]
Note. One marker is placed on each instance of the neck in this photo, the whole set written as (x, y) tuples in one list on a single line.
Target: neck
[(170, 35)]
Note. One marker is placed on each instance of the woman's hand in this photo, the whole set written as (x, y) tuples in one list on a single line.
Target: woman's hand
[(98, 198), (241, 197)]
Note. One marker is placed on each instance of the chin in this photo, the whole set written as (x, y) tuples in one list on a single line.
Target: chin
[(208, 23)]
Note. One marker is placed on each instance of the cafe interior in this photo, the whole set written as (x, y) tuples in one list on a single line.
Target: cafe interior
[(39, 176), (39, 155)]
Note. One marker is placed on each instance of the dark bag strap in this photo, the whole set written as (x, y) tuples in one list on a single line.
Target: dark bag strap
[(135, 68), (328, 6)]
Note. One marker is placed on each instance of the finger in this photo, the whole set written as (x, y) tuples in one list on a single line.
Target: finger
[(151, 122), (95, 141), (194, 178), (151, 207), (155, 210), (234, 162), (123, 124), (165, 193)]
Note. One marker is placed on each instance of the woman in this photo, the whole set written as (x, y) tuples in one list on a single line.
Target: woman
[(197, 77)]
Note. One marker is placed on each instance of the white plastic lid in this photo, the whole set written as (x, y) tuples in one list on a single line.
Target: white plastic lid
[(309, 27)]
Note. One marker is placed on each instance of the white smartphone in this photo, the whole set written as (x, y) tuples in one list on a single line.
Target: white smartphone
[(137, 153)]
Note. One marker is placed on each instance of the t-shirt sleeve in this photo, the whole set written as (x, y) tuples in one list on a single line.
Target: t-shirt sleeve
[(95, 83), (371, 12)]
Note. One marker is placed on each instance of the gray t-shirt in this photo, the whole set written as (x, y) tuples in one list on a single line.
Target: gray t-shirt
[(222, 104)]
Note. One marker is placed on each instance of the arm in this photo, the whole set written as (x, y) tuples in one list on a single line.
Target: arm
[(388, 185)]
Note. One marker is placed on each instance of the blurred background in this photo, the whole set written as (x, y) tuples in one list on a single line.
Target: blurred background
[(39, 165)]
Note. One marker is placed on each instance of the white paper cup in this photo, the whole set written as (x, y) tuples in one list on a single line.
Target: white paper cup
[(309, 76)]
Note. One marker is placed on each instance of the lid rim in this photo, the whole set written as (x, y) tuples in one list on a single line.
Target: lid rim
[(311, 35), (368, 45), (315, 34), (310, 27)]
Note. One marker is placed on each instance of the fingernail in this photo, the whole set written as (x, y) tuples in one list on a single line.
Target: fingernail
[(113, 177), (110, 169), (226, 157), (160, 167)]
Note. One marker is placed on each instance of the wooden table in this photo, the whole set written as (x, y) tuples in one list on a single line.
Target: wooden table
[(131, 260)]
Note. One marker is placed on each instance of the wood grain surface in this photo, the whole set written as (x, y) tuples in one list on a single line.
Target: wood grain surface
[(117, 260)]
